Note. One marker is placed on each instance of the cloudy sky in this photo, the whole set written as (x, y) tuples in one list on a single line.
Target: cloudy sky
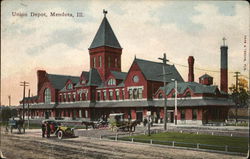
[(146, 29)]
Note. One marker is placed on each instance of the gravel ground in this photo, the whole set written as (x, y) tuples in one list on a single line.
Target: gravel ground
[(32, 146)]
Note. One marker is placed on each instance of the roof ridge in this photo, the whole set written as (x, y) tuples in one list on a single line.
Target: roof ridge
[(151, 61), (63, 75)]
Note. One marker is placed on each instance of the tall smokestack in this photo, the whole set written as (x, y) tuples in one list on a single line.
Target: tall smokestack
[(191, 69), (224, 68)]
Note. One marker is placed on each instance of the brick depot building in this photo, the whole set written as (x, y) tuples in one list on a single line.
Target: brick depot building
[(104, 89)]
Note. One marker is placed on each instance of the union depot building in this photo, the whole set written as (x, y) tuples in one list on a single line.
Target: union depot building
[(105, 89)]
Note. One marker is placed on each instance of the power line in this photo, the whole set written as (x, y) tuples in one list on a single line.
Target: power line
[(202, 69)]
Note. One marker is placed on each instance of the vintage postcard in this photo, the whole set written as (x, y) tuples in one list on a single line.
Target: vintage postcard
[(124, 79)]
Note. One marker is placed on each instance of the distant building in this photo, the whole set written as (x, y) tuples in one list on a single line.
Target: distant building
[(104, 89)]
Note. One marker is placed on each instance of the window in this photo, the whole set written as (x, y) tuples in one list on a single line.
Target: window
[(140, 93), (69, 97), (94, 62), (64, 97), (130, 94), (123, 94), (61, 97), (188, 94), (86, 96), (194, 114), (98, 96), (100, 61), (111, 95), (117, 95), (47, 96), (160, 96), (109, 61), (135, 79), (116, 62), (83, 81), (86, 114), (135, 94), (182, 114), (80, 96), (104, 95), (173, 95), (80, 113), (74, 96), (111, 82), (70, 86)]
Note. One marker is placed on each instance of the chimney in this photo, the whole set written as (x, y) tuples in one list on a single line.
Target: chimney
[(191, 69), (41, 74), (224, 68)]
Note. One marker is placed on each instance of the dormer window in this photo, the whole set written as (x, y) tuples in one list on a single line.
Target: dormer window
[(188, 94), (160, 96), (111, 82), (70, 86), (83, 81)]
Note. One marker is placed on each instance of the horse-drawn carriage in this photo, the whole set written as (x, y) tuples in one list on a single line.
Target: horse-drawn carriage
[(95, 124), (117, 122), (16, 123)]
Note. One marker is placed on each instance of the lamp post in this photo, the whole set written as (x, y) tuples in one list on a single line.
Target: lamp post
[(175, 101)]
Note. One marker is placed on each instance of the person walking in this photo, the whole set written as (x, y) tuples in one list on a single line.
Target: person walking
[(48, 129), (43, 129)]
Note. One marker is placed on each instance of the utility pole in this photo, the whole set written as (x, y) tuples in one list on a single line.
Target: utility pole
[(164, 61), (175, 102), (9, 97), (24, 84), (29, 109), (237, 95)]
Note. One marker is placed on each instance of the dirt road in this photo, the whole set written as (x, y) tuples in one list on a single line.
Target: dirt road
[(32, 146)]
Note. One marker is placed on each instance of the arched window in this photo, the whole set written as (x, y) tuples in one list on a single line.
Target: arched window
[(47, 96), (160, 96)]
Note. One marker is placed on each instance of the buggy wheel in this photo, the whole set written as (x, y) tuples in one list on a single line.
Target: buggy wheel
[(60, 134)]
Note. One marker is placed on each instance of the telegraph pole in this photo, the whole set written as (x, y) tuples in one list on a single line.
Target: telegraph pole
[(29, 109), (24, 84), (164, 61), (9, 97), (237, 95)]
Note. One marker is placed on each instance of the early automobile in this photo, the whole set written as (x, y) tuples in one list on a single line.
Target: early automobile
[(16, 123), (59, 129)]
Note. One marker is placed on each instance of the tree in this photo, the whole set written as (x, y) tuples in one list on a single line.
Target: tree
[(239, 96), (6, 113)]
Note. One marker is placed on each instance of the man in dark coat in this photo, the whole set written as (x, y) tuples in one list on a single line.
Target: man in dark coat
[(48, 129), (43, 129)]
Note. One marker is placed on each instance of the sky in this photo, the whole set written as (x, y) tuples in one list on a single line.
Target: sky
[(145, 29)]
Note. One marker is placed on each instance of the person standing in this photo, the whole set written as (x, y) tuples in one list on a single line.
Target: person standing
[(43, 129), (48, 129)]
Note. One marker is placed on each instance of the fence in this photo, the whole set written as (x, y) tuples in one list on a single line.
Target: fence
[(174, 144)]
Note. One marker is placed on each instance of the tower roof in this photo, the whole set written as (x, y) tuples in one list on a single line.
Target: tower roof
[(105, 36)]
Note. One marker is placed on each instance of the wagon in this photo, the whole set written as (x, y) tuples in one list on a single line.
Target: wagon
[(16, 123), (117, 122)]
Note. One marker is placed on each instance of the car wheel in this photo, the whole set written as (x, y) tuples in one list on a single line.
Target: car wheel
[(60, 134)]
